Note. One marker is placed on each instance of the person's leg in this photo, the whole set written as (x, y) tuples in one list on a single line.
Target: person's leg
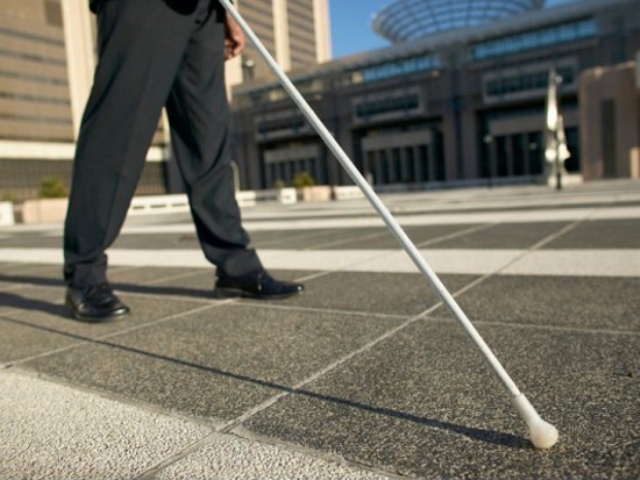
[(199, 118), (140, 43)]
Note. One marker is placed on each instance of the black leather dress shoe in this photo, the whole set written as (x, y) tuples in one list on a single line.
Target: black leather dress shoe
[(258, 285), (95, 303)]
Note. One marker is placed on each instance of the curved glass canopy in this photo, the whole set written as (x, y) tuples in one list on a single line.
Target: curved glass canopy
[(405, 20)]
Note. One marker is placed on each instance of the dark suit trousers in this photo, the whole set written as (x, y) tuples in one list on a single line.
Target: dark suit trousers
[(154, 53)]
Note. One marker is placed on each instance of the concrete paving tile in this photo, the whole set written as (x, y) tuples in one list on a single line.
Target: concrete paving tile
[(583, 302), (32, 299), (166, 241), (504, 236), (27, 240), (346, 238), (278, 345), (602, 234), (423, 403), (157, 379), (269, 237), (314, 239), (386, 240), (32, 274), (7, 267), (442, 261), (197, 283), (130, 277), (22, 341), (387, 293), (480, 437), (53, 315), (441, 345), (228, 457), (57, 432), (42, 275)]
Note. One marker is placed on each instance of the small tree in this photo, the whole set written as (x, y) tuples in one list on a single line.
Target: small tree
[(52, 187), (302, 179), (279, 184)]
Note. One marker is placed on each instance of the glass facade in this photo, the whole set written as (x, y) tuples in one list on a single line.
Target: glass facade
[(398, 68), (481, 121), (527, 82), (545, 37)]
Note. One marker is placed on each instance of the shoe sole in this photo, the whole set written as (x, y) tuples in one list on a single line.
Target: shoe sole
[(78, 316)]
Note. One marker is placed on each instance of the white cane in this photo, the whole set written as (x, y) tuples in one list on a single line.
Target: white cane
[(543, 435)]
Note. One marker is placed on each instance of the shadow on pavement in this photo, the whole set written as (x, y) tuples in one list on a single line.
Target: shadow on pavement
[(17, 301), (120, 287)]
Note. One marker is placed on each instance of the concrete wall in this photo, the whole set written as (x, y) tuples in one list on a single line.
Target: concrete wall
[(610, 122)]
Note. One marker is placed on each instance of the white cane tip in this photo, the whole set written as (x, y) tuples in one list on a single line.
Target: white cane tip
[(543, 434)]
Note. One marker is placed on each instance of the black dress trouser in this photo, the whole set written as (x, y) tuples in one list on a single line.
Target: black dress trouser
[(152, 54)]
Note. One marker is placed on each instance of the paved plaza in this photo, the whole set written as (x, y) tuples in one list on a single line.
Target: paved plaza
[(365, 375)]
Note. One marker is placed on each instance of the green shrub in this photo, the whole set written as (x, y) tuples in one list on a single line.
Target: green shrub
[(52, 187), (302, 179), (279, 184)]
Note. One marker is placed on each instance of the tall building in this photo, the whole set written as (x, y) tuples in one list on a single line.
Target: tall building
[(47, 58), (35, 103), (295, 32)]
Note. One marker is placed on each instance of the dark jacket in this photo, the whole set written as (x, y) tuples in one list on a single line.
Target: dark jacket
[(93, 5)]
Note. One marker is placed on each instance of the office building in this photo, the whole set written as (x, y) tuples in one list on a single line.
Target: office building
[(456, 103)]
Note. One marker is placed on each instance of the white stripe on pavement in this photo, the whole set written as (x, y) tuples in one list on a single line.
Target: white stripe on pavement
[(602, 263)]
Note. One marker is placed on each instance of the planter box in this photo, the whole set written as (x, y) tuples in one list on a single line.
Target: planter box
[(46, 210), (319, 193), (6, 214), (347, 192), (287, 196)]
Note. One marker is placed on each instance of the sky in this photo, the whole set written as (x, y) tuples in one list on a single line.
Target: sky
[(351, 25)]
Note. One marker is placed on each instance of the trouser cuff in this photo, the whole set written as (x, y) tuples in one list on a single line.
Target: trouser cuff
[(85, 275), (241, 262)]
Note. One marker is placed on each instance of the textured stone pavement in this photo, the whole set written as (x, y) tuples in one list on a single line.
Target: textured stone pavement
[(364, 376)]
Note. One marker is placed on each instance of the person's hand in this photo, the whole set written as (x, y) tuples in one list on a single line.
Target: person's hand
[(234, 40)]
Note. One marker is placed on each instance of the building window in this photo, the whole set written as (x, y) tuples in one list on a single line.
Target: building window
[(53, 12), (510, 84), (389, 105), (568, 32), (393, 69)]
